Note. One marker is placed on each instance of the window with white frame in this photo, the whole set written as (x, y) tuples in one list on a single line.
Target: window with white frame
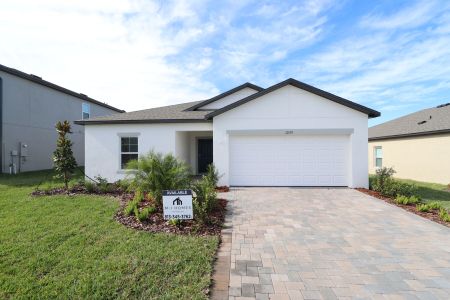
[(128, 150), (85, 111), (378, 154)]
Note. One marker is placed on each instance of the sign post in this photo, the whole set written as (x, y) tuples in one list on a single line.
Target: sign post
[(177, 204)]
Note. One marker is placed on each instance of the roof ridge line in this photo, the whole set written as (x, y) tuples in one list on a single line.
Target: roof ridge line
[(224, 94), (301, 85)]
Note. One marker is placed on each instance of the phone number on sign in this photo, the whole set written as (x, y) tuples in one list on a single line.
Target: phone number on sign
[(179, 217)]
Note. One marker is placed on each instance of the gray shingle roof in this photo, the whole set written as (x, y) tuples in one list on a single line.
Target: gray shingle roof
[(171, 113), (187, 113), (428, 121)]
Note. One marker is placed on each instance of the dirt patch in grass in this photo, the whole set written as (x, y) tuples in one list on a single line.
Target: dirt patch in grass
[(432, 215), (155, 222)]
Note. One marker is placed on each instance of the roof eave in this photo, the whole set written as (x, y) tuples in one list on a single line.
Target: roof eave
[(53, 86), (414, 134), (155, 121), (224, 94)]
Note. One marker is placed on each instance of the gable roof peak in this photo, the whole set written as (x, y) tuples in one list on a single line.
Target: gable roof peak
[(301, 85), (224, 94)]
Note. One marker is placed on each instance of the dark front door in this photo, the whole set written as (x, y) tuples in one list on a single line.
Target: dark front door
[(205, 154)]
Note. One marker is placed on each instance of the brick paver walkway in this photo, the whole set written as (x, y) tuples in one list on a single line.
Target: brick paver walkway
[(293, 243)]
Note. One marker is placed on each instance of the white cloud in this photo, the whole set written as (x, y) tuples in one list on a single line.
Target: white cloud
[(415, 15), (383, 69), (136, 54), (114, 51)]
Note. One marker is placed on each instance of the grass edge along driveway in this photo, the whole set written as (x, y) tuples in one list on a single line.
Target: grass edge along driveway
[(70, 247)]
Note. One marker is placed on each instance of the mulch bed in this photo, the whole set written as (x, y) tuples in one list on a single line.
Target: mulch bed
[(76, 190), (223, 189), (432, 215), (155, 222)]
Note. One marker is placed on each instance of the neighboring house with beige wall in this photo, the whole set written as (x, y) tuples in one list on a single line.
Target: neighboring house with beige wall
[(417, 145)]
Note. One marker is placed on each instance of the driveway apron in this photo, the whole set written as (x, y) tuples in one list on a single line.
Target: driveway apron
[(319, 243)]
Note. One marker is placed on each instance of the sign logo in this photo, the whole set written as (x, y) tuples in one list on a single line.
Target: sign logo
[(177, 204), (177, 201)]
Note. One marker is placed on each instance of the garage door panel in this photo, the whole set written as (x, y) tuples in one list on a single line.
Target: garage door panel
[(325, 180), (289, 160)]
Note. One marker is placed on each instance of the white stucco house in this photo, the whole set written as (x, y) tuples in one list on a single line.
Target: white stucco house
[(290, 134)]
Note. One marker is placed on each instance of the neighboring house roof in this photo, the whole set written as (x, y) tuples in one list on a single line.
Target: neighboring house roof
[(190, 112), (227, 93), (39, 80), (370, 112), (424, 122), (177, 113)]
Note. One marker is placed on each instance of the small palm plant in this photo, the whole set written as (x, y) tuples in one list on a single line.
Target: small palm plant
[(212, 174), (155, 172), (63, 159)]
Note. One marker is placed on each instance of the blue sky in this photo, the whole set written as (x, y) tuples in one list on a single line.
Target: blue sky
[(393, 56)]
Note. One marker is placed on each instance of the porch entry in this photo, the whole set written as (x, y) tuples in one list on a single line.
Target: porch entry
[(205, 154)]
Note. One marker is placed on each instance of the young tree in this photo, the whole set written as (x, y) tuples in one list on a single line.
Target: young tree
[(63, 159)]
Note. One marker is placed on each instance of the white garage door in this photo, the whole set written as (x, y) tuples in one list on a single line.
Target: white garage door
[(289, 160)]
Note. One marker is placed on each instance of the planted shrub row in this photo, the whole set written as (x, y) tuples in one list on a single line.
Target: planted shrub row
[(403, 193), (386, 185)]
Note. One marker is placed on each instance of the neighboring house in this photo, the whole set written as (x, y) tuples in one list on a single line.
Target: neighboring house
[(417, 145), (290, 134), (29, 110)]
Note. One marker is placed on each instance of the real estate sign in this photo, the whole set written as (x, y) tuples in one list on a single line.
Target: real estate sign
[(177, 204)]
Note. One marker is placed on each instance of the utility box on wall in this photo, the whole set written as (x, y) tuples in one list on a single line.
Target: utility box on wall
[(23, 149)]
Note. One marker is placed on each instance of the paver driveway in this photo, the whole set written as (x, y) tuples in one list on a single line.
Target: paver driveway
[(295, 243)]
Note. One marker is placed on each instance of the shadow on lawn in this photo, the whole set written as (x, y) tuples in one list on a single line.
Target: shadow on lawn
[(34, 178), (427, 193)]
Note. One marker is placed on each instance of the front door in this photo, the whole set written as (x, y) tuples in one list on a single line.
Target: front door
[(205, 154)]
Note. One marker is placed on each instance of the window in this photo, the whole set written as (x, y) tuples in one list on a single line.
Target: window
[(86, 111), (128, 150), (378, 153)]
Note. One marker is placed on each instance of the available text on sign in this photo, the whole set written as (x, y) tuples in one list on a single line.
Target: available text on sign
[(177, 204)]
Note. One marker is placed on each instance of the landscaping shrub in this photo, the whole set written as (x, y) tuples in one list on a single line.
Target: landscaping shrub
[(212, 174), (130, 209), (443, 215), (385, 184), (405, 200), (205, 199), (434, 205), (102, 184), (143, 214), (138, 196), (90, 186), (382, 178), (175, 222), (151, 209), (156, 172), (423, 207), (123, 184)]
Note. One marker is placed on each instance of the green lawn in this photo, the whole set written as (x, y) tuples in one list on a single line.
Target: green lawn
[(71, 247), (429, 192)]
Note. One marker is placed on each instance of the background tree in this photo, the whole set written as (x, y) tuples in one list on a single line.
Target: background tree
[(63, 159)]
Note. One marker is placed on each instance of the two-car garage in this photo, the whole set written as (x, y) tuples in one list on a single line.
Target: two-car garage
[(289, 159), (292, 134)]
